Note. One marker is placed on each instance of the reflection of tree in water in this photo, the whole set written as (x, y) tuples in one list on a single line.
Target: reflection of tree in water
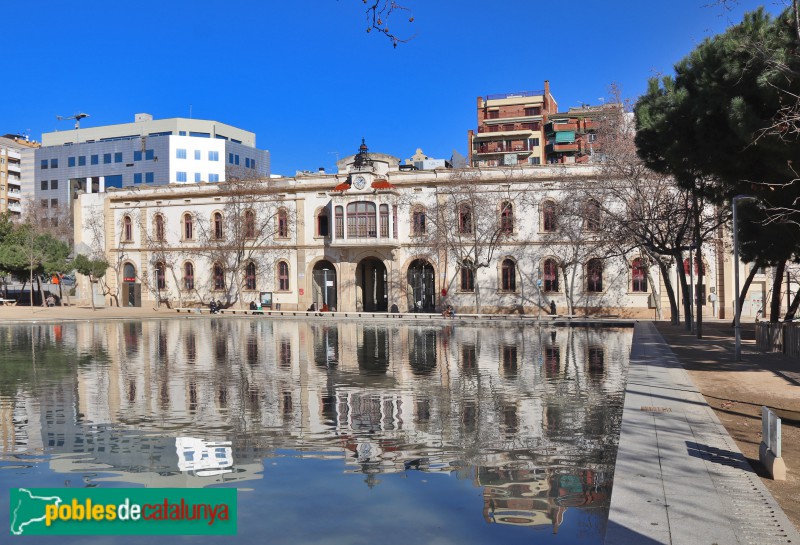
[(373, 351)]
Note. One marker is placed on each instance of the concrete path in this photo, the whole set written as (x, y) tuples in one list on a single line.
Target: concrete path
[(680, 479)]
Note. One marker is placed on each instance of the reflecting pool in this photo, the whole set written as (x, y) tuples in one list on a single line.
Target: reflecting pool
[(333, 432)]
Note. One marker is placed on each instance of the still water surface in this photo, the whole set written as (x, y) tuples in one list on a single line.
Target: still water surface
[(349, 432)]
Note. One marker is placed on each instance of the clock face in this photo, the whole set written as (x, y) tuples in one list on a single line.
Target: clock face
[(359, 182)]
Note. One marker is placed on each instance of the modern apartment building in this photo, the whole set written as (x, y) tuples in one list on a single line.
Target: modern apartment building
[(144, 153), (510, 128), (571, 136), (15, 152)]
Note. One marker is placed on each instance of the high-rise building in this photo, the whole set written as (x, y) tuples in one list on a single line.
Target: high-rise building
[(14, 154), (146, 152), (510, 128)]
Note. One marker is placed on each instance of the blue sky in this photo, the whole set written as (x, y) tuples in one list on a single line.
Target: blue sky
[(310, 82)]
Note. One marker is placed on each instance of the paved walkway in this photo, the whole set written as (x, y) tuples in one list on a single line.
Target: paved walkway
[(680, 478)]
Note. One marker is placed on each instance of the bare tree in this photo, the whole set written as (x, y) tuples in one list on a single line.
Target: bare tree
[(114, 254), (246, 237), (380, 12)]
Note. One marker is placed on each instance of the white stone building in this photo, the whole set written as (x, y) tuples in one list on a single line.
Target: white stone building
[(363, 240)]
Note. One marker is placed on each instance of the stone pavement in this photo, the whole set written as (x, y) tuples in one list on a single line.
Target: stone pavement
[(680, 478)]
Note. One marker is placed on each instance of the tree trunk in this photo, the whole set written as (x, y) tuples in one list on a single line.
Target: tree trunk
[(747, 282), (777, 282), (41, 291), (698, 257), (792, 308), (31, 279), (675, 315), (477, 291), (91, 291), (687, 300)]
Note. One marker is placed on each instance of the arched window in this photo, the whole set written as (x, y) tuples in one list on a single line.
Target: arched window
[(283, 276), (218, 274), (323, 225), (249, 224), (127, 229), (250, 276), (159, 227), (549, 217), (639, 275), (188, 227), (464, 218), (283, 224), (550, 273), (161, 276), (506, 218), (218, 232), (418, 221), (188, 275), (467, 276), (384, 210), (339, 222), (509, 275), (361, 220), (591, 215), (698, 264), (594, 275)]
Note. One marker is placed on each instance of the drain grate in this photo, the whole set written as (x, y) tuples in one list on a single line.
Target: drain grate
[(648, 409)]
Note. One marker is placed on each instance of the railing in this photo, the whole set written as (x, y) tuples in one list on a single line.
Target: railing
[(515, 95), (780, 337)]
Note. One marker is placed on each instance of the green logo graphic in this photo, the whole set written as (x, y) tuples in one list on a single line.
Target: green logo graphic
[(123, 511)]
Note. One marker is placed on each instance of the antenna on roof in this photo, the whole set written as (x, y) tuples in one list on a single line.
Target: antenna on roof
[(76, 117)]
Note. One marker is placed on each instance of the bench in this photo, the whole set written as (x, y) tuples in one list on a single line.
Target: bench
[(8, 301), (196, 310)]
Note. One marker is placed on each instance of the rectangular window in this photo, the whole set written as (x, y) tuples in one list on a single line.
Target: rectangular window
[(43, 164), (198, 177), (235, 159), (53, 184), (181, 133), (43, 185), (106, 158), (53, 203), (181, 176), (213, 177), (53, 163), (230, 158), (180, 153), (70, 161), (246, 162), (213, 156), (149, 154), (197, 155), (81, 160), (114, 181), (200, 134), (149, 177), (43, 203), (253, 164), (137, 177), (94, 159), (118, 157), (137, 155)]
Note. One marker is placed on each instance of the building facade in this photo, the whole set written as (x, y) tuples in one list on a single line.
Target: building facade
[(510, 127), (147, 152), (15, 156), (367, 238)]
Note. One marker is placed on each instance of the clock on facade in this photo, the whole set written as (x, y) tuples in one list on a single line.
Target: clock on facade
[(359, 182)]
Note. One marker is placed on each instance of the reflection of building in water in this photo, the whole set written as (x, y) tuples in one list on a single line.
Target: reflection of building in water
[(204, 458), (386, 398), (539, 496), (17, 417)]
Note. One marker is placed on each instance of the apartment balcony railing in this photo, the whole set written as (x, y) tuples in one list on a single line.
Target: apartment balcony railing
[(14, 167), (559, 148), (504, 149), (515, 95), (507, 127), (14, 207)]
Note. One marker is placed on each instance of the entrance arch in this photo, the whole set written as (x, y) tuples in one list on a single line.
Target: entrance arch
[(421, 286), (324, 286), (131, 289), (371, 286)]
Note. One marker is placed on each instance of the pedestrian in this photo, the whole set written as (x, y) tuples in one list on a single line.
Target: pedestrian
[(552, 308)]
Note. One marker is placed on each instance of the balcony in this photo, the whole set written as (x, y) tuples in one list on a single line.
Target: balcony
[(560, 148), (15, 207), (504, 126), (521, 148), (14, 167), (367, 242), (555, 126)]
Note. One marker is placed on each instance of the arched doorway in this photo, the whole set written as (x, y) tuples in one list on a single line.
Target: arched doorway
[(131, 290), (371, 292), (421, 286), (324, 286)]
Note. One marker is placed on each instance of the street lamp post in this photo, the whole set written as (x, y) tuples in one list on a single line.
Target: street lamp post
[(737, 317)]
